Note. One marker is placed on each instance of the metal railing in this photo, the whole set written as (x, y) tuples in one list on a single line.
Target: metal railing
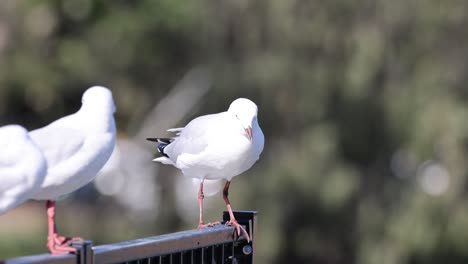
[(219, 244)]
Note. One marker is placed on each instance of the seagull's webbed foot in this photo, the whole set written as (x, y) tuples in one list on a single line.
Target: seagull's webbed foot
[(60, 245), (238, 227), (202, 225), (63, 239)]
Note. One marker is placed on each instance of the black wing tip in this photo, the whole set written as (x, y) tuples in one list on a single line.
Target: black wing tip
[(160, 140), (163, 142), (161, 148)]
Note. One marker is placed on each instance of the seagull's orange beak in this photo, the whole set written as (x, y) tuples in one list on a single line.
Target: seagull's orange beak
[(249, 133)]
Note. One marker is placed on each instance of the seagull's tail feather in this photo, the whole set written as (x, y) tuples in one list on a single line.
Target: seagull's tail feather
[(164, 160), (163, 142), (175, 130)]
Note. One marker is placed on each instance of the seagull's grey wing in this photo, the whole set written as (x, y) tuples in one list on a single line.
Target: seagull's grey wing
[(195, 137), (58, 143)]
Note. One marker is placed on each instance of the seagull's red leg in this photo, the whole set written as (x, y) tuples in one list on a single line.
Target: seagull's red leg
[(200, 204), (232, 221), (55, 243), (201, 196)]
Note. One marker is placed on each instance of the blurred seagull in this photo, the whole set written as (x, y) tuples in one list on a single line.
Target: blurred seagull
[(22, 167), (76, 147), (216, 146)]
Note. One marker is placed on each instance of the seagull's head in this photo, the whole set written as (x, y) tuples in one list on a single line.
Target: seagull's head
[(246, 111), (98, 96)]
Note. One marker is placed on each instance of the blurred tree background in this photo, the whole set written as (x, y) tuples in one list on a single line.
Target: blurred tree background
[(363, 105)]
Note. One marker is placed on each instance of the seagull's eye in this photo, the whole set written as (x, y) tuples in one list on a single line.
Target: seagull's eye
[(237, 116)]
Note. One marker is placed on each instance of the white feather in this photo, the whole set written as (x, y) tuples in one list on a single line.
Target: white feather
[(77, 146), (22, 167), (216, 146)]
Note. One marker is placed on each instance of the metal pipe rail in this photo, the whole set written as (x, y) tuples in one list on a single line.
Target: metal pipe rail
[(211, 245)]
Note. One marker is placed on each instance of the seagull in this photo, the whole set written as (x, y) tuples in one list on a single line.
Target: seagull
[(216, 146), (22, 167), (76, 147)]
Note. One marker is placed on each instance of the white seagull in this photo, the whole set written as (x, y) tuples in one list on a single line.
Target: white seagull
[(22, 167), (76, 147), (216, 146)]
